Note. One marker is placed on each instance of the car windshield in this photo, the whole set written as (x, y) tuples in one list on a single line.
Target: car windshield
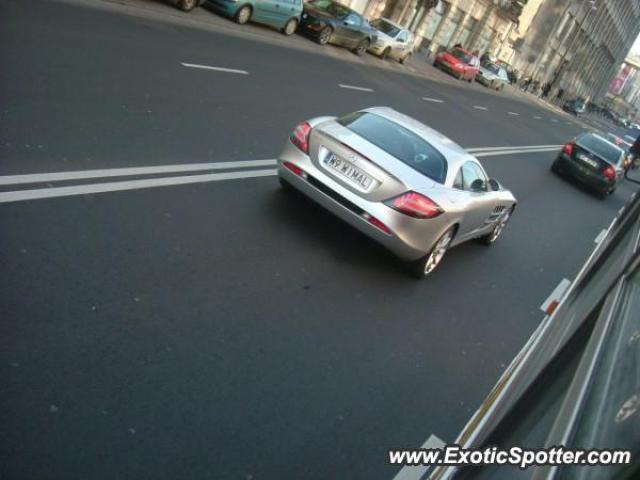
[(461, 55), (398, 142), (601, 147), (385, 27), (493, 68), (330, 7)]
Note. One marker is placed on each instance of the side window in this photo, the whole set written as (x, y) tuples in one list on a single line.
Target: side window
[(458, 183), (471, 172), (353, 19), (403, 37)]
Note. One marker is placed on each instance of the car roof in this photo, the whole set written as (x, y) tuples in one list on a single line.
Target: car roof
[(454, 154)]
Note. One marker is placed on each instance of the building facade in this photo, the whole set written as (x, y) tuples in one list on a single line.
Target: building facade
[(482, 25), (577, 46), (623, 94)]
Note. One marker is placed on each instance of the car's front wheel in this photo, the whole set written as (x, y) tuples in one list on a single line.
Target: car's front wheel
[(427, 264), (187, 5), (497, 230), (362, 47), (290, 27), (325, 35), (385, 53), (243, 15)]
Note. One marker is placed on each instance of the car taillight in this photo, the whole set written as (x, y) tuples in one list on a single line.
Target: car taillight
[(569, 148), (300, 136), (295, 169), (415, 205), (609, 173)]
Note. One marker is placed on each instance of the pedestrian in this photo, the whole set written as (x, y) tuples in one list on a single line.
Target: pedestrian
[(545, 90), (634, 153), (457, 45)]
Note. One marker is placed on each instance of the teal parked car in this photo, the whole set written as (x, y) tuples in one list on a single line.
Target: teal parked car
[(281, 14)]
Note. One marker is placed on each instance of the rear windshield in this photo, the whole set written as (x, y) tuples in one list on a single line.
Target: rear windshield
[(385, 27), (600, 147), (398, 142), (330, 7), (493, 68), (459, 54)]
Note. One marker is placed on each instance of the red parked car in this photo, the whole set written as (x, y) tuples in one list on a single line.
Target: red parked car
[(459, 62)]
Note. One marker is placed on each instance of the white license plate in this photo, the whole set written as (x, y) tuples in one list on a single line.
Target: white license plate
[(349, 171), (588, 161)]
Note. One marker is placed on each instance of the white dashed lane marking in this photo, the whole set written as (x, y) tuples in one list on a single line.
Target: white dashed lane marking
[(434, 100), (216, 69), (513, 113), (353, 87), (479, 107)]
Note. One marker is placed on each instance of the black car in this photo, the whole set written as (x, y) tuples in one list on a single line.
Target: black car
[(328, 21), (593, 161), (576, 107)]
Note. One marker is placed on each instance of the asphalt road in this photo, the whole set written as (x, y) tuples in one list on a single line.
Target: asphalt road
[(228, 330)]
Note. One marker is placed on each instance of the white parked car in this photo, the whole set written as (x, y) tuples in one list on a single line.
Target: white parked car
[(492, 75), (392, 41)]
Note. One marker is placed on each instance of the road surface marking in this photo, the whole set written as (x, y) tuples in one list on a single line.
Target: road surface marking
[(514, 147), (478, 107), (21, 195), (217, 69), (514, 113), (353, 87), (600, 236), (416, 473), (554, 120), (434, 100), (126, 172), (495, 153), (552, 302), (537, 117)]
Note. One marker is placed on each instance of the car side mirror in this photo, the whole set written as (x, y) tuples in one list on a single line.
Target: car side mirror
[(494, 185), (477, 185)]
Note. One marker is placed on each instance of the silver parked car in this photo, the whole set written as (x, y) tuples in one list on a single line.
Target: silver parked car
[(393, 41), (398, 181), (492, 75)]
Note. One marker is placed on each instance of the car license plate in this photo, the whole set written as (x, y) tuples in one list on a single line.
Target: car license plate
[(589, 161), (349, 171)]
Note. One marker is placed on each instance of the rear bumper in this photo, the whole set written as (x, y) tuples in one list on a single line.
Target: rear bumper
[(583, 174), (449, 68), (410, 238)]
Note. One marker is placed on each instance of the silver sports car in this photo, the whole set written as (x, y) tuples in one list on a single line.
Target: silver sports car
[(400, 182)]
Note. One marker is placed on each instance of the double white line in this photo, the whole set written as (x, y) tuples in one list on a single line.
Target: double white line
[(231, 171)]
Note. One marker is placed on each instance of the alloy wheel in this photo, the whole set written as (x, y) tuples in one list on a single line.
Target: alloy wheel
[(290, 27), (497, 230), (243, 15), (325, 34), (437, 253)]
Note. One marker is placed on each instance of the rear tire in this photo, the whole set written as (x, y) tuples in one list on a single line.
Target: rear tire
[(290, 27), (362, 47), (324, 36), (426, 265), (404, 59), (385, 53), (554, 167), (243, 15), (187, 5)]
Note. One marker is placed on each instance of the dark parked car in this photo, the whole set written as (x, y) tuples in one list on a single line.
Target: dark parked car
[(576, 107), (593, 161), (328, 21)]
